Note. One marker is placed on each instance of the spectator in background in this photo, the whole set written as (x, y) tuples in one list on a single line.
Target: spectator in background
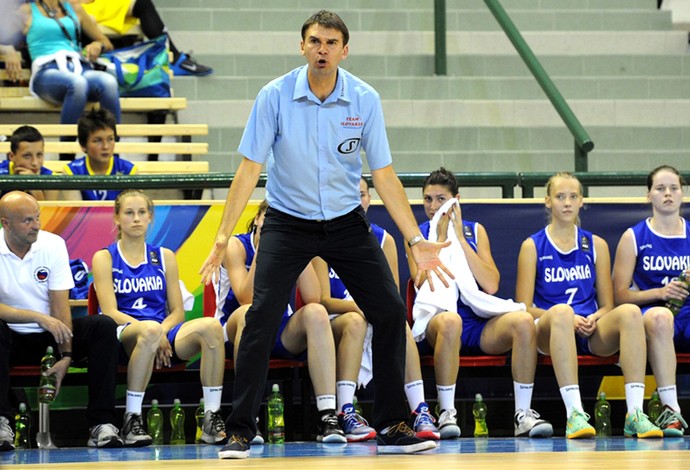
[(97, 132), (26, 158), (61, 70), (121, 15)]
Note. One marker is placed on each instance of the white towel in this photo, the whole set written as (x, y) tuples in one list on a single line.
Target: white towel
[(366, 369), (444, 299)]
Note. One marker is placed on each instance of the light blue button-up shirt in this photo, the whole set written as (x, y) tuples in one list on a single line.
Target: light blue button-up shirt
[(312, 149)]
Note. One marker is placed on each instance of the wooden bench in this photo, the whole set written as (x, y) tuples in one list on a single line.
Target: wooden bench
[(183, 131), (134, 105), (123, 130), (149, 168)]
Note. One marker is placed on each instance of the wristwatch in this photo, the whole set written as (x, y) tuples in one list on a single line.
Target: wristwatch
[(414, 240)]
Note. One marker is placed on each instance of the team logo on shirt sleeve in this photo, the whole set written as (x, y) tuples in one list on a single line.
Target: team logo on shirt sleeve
[(41, 274)]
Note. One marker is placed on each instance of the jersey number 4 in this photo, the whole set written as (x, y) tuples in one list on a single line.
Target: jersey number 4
[(139, 304)]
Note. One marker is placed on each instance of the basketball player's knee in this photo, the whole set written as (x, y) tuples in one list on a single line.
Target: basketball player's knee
[(212, 334)]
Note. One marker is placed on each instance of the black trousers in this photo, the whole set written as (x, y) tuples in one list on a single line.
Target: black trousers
[(94, 339), (352, 250)]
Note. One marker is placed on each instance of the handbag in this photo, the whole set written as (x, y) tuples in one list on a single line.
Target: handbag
[(142, 70)]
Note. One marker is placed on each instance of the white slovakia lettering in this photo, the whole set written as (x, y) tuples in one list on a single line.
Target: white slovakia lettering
[(136, 285), (561, 274), (666, 263)]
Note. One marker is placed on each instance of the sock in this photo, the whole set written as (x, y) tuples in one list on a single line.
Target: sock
[(325, 402), (523, 395), (212, 396), (669, 396), (634, 396), (446, 396), (134, 401), (414, 391), (571, 399), (345, 391)]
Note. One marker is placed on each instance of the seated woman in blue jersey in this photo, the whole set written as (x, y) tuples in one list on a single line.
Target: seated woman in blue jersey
[(447, 324), (307, 329), (564, 277), (26, 157), (650, 256), (350, 330), (97, 133), (138, 286)]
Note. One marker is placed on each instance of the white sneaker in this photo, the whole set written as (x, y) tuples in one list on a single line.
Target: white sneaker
[(528, 424), (104, 435), (213, 429), (448, 424), (6, 435), (133, 433)]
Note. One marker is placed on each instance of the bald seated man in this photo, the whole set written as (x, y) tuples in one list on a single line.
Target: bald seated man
[(35, 313)]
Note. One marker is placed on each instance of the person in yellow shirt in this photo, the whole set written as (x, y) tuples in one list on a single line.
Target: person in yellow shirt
[(122, 15)]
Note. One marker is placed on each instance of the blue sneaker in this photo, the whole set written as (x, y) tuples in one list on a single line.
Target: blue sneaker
[(355, 427), (423, 423), (187, 65)]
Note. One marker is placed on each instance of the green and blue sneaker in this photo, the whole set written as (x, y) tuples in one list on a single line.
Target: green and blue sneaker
[(578, 427), (671, 422), (638, 424)]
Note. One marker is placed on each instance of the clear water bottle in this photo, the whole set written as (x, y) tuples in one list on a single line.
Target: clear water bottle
[(276, 425), (22, 424), (154, 422), (479, 413), (602, 416), (674, 305), (177, 424), (199, 417), (47, 386), (654, 407)]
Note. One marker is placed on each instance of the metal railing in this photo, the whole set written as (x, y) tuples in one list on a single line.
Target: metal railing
[(506, 181), (583, 143)]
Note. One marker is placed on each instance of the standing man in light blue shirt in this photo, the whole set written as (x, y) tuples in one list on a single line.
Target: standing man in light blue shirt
[(309, 127)]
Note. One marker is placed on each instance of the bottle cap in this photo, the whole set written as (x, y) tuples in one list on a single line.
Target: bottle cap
[(49, 350), (176, 401), (602, 395), (478, 397), (22, 407), (275, 388), (154, 402)]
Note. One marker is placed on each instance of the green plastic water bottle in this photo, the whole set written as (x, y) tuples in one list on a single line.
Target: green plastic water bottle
[(177, 424), (48, 383), (276, 425), (356, 405), (22, 423), (674, 305), (602, 416), (154, 422), (479, 412), (199, 417), (654, 407)]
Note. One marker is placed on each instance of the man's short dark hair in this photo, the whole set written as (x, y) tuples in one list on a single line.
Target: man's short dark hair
[(24, 134), (93, 121), (329, 20)]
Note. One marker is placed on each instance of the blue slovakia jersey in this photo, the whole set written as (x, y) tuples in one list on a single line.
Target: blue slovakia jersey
[(141, 291), (566, 278)]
